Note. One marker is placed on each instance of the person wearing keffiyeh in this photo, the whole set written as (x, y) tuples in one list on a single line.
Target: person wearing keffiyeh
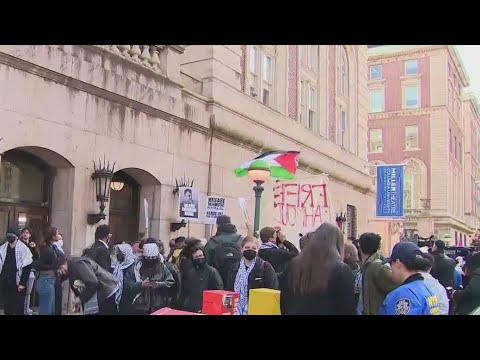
[(251, 272), (15, 265), (151, 270), (124, 272)]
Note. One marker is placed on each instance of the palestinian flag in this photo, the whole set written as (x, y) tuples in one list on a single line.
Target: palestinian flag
[(282, 164)]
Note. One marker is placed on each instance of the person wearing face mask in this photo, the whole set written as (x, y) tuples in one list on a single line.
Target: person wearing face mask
[(196, 280), (26, 239), (251, 272), (124, 273), (150, 267), (15, 265)]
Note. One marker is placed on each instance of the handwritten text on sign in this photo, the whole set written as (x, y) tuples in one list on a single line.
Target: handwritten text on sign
[(298, 204)]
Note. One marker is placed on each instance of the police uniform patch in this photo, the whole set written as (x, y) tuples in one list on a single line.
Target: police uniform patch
[(402, 306), (32, 244)]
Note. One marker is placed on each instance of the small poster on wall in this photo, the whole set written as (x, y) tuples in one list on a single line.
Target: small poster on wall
[(188, 201), (215, 208)]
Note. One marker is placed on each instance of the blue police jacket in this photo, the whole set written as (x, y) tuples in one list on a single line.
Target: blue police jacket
[(413, 297)]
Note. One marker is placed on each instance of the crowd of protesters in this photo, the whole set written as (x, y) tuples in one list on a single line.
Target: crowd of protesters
[(327, 276)]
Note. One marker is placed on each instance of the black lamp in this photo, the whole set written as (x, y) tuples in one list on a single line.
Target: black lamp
[(102, 175)]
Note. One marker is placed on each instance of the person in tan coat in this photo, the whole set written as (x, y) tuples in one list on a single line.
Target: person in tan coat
[(376, 278)]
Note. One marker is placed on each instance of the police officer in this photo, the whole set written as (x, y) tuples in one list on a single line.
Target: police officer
[(413, 297)]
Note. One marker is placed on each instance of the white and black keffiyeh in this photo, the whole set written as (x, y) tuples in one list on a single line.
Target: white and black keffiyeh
[(23, 257), (151, 251), (241, 286), (118, 268)]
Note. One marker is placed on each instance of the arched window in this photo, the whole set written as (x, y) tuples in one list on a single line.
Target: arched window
[(414, 181), (342, 71)]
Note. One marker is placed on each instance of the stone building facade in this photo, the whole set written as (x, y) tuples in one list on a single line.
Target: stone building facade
[(167, 112)]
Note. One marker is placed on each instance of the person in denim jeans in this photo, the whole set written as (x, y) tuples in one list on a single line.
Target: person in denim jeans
[(46, 280)]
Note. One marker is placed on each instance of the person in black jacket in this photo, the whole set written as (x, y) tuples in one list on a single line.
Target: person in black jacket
[(270, 252), (468, 300), (251, 272), (196, 280), (444, 267), (15, 265), (100, 249), (317, 282), (46, 281)]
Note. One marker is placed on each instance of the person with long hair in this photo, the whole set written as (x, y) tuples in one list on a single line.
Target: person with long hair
[(250, 272), (47, 280), (317, 282)]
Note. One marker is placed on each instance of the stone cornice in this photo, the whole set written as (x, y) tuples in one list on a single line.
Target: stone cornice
[(409, 112), (406, 52)]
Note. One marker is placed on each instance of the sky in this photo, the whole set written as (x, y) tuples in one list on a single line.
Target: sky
[(470, 55)]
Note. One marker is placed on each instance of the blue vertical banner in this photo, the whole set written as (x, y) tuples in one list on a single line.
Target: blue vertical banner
[(390, 191)]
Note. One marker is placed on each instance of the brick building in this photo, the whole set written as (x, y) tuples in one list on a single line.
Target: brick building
[(419, 118)]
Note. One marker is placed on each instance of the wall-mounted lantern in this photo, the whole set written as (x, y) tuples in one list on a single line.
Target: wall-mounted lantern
[(183, 182), (102, 175), (117, 185), (340, 220), (175, 226)]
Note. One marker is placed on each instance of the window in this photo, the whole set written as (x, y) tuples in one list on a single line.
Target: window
[(308, 104), (376, 72), (376, 100), (254, 71), (267, 80), (376, 143), (411, 137), (411, 96), (342, 71), (310, 56), (342, 128), (413, 184), (311, 108), (351, 222), (411, 67), (261, 75)]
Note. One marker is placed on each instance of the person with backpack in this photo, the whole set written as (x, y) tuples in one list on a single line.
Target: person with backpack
[(272, 253), (250, 272), (97, 287), (196, 280), (223, 250)]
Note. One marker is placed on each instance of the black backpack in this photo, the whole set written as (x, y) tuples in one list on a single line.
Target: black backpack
[(225, 256)]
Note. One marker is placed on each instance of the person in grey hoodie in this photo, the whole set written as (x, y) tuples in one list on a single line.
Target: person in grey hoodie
[(435, 286)]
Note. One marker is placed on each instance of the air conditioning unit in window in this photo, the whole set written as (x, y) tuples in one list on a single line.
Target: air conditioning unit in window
[(253, 92)]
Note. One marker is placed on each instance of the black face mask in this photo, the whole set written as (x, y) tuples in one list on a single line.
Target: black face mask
[(149, 263), (249, 254), (199, 264), (11, 239)]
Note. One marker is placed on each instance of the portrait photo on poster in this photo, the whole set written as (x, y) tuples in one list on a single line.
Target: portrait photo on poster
[(188, 203)]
